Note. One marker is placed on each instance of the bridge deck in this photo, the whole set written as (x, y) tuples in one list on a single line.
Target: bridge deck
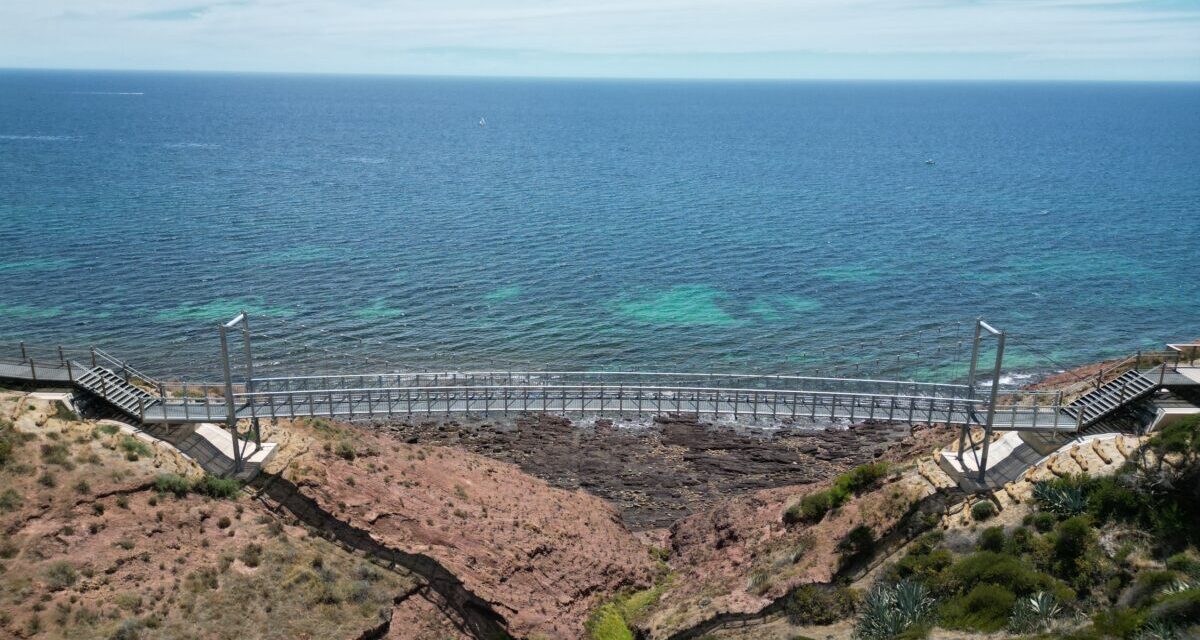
[(780, 406), (570, 393), (27, 371)]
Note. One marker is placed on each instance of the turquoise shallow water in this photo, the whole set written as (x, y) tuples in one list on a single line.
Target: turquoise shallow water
[(772, 227)]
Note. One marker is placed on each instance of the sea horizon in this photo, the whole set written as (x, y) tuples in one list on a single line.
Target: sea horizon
[(606, 78), (773, 225)]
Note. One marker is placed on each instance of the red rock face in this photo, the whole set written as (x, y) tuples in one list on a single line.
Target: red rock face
[(658, 471), (739, 557), (416, 618), (542, 557)]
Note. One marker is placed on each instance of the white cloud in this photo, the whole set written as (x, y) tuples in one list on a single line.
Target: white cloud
[(376, 35)]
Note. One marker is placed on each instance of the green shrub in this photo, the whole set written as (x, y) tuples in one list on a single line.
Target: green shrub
[(992, 539), (633, 606), (983, 510), (861, 478), (215, 487), (251, 555), (205, 485), (172, 483), (201, 580), (8, 550), (986, 607), (345, 450), (1179, 608), (1119, 622), (606, 623), (813, 507), (922, 563), (989, 567), (1109, 499), (1073, 546), (60, 575), (1044, 522), (1148, 584), (10, 500), (130, 629), (1181, 438), (8, 442), (108, 429), (1185, 563), (134, 448), (890, 610), (1019, 541), (813, 604), (57, 454)]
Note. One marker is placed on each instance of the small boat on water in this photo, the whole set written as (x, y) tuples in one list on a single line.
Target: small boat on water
[(930, 161), (482, 122)]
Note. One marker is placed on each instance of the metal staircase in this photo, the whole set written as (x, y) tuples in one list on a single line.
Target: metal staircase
[(103, 383), (1109, 397)]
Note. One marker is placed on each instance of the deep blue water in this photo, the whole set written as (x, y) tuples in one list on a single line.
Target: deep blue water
[(660, 225)]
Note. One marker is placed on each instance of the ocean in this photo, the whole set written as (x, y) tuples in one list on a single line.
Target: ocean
[(372, 223)]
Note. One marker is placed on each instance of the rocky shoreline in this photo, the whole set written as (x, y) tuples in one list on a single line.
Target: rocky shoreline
[(658, 470)]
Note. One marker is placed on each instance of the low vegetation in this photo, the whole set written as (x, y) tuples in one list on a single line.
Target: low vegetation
[(205, 485), (983, 510), (904, 609), (614, 620), (813, 507), (1053, 571), (606, 623), (87, 551), (820, 604)]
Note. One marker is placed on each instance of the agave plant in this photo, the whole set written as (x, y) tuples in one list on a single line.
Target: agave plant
[(890, 609), (1158, 631), (1065, 500), (1179, 586), (1034, 613)]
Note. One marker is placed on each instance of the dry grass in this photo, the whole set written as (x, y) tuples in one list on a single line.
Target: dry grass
[(137, 564)]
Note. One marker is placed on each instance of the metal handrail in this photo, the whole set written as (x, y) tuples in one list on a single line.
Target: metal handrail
[(1177, 349), (613, 379), (124, 367), (747, 376), (640, 389), (43, 354)]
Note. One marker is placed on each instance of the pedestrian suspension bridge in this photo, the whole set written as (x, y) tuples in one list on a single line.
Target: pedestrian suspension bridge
[(249, 398)]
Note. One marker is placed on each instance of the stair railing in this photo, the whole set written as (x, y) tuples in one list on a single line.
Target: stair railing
[(120, 365)]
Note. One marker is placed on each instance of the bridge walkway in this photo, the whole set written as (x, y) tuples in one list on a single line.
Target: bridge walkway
[(731, 396)]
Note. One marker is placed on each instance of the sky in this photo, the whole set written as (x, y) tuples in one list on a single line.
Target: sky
[(1143, 40)]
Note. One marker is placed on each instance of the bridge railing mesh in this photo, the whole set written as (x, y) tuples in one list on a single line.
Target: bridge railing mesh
[(614, 379)]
